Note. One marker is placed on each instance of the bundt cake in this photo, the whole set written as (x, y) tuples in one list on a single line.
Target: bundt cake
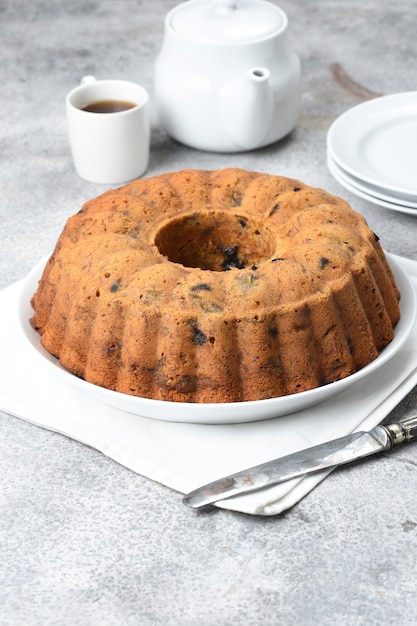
[(216, 286)]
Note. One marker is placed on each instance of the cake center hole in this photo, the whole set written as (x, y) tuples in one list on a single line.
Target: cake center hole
[(216, 241)]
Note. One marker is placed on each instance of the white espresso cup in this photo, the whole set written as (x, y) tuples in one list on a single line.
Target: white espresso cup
[(109, 147)]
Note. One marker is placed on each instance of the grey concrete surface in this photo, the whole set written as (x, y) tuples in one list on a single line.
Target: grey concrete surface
[(84, 541)]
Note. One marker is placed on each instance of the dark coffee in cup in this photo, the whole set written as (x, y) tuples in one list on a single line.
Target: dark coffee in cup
[(108, 106)]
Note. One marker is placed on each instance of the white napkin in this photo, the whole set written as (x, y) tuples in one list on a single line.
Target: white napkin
[(185, 456)]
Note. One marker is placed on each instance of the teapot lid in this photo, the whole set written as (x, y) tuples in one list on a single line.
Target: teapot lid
[(227, 21)]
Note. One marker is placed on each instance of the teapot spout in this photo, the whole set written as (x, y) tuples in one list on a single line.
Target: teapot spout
[(246, 108)]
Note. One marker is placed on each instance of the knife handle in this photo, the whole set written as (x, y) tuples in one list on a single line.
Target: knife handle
[(402, 431)]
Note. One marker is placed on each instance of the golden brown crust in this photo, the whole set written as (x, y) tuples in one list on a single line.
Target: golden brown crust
[(215, 287)]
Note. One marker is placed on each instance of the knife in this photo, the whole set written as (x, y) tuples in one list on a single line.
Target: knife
[(326, 455)]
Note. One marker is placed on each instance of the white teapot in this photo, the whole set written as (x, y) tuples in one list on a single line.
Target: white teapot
[(227, 78)]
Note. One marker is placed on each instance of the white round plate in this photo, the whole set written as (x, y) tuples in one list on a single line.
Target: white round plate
[(224, 413), (376, 142), (367, 189), (348, 184)]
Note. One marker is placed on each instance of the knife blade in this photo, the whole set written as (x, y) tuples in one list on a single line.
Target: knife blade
[(326, 455)]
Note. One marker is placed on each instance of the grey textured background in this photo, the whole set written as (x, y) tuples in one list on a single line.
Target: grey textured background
[(85, 541)]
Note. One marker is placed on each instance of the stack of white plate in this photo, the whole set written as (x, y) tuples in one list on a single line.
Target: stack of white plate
[(372, 151)]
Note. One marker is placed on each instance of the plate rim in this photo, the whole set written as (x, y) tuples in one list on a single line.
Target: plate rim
[(350, 186), (368, 189), (366, 108)]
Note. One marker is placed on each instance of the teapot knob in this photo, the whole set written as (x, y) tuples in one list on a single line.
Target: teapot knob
[(223, 6)]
